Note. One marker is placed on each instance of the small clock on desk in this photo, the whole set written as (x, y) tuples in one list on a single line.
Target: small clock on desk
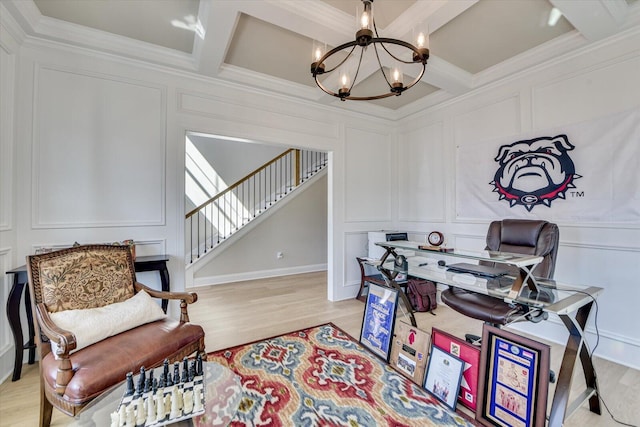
[(435, 238)]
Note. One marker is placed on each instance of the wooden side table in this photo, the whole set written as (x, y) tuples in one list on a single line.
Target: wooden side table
[(20, 279)]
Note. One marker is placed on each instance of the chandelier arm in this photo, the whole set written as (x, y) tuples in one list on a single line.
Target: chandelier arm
[(380, 65), (417, 79), (402, 43), (353, 82), (331, 52)]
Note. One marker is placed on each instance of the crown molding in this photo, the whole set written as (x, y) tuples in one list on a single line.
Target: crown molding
[(11, 33), (38, 26)]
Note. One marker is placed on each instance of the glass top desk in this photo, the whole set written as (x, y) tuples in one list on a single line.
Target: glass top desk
[(572, 304), (223, 394)]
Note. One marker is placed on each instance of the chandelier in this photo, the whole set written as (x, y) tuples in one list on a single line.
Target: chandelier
[(393, 51)]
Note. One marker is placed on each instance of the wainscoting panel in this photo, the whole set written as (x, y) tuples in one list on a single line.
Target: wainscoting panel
[(7, 82), (207, 105), (356, 245), (422, 175), (368, 180), (115, 129), (590, 94), (491, 120), (6, 339)]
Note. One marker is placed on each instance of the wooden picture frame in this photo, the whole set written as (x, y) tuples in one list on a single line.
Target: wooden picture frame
[(514, 380), (379, 320), (410, 351), (443, 377), (470, 354)]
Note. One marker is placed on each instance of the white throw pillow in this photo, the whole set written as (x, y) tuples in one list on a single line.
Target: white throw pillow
[(95, 324)]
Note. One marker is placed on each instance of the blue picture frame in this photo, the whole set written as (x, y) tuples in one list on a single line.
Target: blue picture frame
[(378, 321)]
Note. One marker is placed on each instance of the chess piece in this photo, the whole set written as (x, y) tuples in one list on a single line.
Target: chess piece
[(159, 400), (185, 370), (115, 419), (122, 415), (176, 410), (151, 410), (165, 370), (141, 412), (192, 371), (176, 373), (197, 398), (129, 391), (199, 370), (141, 380), (130, 416), (188, 401)]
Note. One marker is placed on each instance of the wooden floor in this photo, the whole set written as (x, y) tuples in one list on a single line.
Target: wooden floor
[(243, 312)]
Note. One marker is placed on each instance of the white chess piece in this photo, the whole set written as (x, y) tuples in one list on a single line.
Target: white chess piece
[(188, 401), (122, 415), (141, 412), (115, 419), (197, 400), (176, 411), (160, 412), (151, 410), (130, 418)]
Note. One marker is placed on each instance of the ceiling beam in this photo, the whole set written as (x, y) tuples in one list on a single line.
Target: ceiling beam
[(595, 19)]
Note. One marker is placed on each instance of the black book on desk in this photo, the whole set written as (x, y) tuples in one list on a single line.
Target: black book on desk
[(477, 270)]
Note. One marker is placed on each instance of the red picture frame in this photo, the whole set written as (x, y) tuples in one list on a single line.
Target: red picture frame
[(470, 354)]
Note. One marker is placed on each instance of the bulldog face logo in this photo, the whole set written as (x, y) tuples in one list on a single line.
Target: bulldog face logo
[(534, 172)]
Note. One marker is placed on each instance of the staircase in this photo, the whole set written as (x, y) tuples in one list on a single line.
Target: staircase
[(223, 215)]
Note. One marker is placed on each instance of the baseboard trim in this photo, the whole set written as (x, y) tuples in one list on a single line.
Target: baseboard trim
[(199, 282)]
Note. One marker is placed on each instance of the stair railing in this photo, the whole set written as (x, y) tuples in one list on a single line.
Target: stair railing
[(228, 211)]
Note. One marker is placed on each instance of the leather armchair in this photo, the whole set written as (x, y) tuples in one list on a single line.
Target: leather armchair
[(529, 237), (92, 277)]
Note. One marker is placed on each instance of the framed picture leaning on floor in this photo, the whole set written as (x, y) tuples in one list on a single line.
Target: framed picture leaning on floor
[(379, 320), (514, 380)]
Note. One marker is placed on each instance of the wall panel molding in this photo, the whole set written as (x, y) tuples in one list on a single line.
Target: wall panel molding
[(569, 98), (6, 343), (422, 193), (368, 178), (7, 102), (209, 106), (117, 126)]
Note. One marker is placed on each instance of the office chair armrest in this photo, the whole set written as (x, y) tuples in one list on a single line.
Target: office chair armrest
[(184, 297)]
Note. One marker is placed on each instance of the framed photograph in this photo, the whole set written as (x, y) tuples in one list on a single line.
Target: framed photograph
[(409, 351), (513, 380), (470, 354), (379, 320), (444, 374)]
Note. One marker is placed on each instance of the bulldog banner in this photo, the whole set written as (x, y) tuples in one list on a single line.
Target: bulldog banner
[(586, 172)]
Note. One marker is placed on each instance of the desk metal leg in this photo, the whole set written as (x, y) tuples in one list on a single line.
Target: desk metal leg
[(13, 315), (576, 345)]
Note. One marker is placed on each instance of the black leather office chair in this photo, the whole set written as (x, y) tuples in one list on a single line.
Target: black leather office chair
[(529, 237)]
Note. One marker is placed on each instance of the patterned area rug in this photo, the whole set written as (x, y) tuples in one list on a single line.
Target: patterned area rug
[(320, 376)]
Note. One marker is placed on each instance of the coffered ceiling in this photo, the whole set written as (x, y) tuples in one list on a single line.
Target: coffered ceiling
[(268, 43)]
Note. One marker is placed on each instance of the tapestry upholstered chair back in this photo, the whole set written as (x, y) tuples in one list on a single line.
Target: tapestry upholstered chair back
[(90, 277)]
